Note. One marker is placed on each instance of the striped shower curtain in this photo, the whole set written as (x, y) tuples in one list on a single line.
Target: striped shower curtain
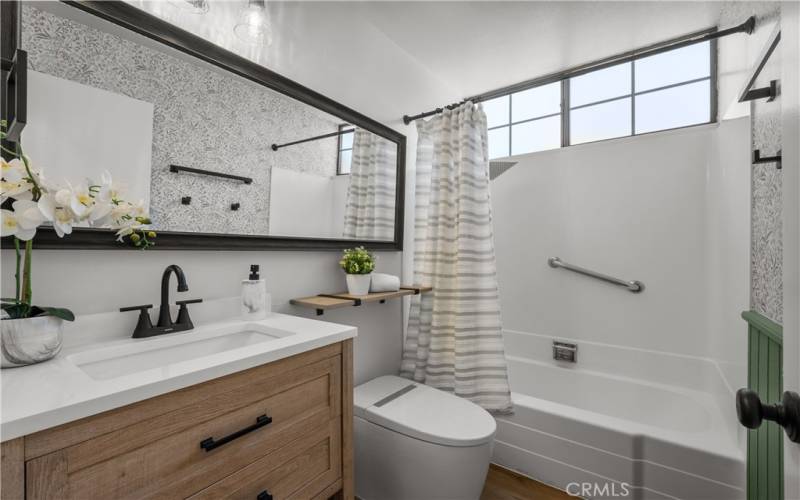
[(454, 339), (369, 212)]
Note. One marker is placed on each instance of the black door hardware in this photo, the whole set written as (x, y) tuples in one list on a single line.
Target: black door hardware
[(264, 495), (752, 412), (757, 158), (209, 444)]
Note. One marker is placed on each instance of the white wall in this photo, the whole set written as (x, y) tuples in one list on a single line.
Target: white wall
[(308, 205), (728, 248), (632, 208), (117, 129), (738, 53), (98, 281)]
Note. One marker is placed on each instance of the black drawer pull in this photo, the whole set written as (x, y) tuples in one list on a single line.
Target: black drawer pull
[(264, 495), (209, 444)]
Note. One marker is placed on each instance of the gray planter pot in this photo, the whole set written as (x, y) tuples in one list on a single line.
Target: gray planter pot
[(28, 341)]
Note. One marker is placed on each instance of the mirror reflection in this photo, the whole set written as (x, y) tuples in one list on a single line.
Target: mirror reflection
[(206, 150)]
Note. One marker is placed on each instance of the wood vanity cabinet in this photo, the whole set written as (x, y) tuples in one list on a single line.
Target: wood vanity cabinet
[(282, 429)]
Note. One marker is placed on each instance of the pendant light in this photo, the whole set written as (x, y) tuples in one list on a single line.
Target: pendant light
[(253, 25)]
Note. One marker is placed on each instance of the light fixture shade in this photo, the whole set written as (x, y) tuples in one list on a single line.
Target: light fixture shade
[(253, 25), (193, 6)]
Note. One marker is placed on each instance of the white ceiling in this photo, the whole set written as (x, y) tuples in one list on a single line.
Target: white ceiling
[(387, 58)]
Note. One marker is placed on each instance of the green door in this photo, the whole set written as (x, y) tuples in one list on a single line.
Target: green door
[(765, 377)]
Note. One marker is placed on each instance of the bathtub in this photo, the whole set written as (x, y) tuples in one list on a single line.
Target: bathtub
[(620, 423)]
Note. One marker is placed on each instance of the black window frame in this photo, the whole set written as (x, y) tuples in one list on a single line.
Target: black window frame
[(339, 149), (566, 108)]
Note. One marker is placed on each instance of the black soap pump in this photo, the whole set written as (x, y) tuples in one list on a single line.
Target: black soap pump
[(254, 296)]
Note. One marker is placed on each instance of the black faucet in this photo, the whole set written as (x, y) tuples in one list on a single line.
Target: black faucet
[(164, 318), (145, 328)]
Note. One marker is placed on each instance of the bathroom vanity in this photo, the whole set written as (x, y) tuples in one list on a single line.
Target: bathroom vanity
[(251, 418)]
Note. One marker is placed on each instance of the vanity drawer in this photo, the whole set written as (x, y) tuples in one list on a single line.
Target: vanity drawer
[(162, 457), (299, 470), (201, 402)]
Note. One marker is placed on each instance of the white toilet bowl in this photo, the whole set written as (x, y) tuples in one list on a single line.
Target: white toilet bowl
[(414, 442)]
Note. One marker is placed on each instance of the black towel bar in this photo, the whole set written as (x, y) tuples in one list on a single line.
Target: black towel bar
[(757, 158), (178, 168)]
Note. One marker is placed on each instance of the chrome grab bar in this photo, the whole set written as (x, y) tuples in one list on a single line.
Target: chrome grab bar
[(632, 286)]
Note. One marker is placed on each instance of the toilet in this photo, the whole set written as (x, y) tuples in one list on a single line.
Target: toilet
[(414, 442)]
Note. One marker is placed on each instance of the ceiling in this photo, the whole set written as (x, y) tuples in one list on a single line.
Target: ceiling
[(387, 58)]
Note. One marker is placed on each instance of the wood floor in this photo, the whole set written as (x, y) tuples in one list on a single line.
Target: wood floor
[(503, 484)]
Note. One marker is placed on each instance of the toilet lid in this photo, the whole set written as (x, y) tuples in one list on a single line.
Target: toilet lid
[(423, 412)]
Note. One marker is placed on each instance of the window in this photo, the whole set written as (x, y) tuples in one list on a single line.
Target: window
[(646, 94), (525, 121), (345, 151)]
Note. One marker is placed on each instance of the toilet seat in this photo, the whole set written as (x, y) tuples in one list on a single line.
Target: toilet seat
[(422, 412)]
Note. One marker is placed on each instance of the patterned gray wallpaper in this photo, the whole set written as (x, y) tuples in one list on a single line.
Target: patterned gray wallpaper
[(203, 118), (766, 241), (767, 217)]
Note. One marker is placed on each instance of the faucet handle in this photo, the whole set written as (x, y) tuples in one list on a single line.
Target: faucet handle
[(182, 303), (183, 312), (144, 325), (135, 308)]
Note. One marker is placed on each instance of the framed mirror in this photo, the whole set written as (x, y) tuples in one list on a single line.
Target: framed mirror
[(223, 152)]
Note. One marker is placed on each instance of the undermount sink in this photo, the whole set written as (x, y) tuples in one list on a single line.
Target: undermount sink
[(146, 354)]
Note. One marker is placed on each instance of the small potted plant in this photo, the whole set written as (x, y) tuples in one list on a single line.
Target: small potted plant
[(29, 333), (358, 263)]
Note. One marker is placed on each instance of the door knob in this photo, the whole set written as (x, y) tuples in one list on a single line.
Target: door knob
[(752, 412)]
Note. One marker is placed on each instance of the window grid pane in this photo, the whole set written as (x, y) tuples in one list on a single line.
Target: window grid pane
[(676, 66), (600, 85), (608, 120), (607, 103), (658, 110)]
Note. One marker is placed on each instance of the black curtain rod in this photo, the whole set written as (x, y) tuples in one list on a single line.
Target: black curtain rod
[(275, 147), (697, 37)]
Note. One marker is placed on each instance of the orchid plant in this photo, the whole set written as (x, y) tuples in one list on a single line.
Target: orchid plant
[(35, 201)]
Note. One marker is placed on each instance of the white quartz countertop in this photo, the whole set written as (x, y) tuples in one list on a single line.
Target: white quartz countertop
[(55, 392)]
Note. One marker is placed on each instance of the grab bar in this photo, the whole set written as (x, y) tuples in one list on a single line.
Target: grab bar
[(632, 286)]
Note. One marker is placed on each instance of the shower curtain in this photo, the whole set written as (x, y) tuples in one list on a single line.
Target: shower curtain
[(454, 339), (369, 212)]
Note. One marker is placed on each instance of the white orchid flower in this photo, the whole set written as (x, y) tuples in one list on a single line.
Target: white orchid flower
[(14, 183), (109, 189), (79, 199), (13, 171), (10, 226), (28, 213), (99, 211), (61, 217), (125, 231)]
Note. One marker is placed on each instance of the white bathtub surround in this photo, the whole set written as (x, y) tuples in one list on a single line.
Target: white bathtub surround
[(369, 213), (621, 415), (454, 340), (669, 209), (83, 380)]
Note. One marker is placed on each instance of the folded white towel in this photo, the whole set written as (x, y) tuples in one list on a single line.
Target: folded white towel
[(384, 283)]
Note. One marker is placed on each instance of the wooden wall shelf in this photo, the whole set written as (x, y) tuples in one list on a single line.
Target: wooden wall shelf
[(325, 301)]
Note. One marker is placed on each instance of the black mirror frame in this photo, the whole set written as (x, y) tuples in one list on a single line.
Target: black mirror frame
[(145, 24)]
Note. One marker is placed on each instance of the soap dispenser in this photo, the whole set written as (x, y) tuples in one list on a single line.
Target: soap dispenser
[(254, 296)]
